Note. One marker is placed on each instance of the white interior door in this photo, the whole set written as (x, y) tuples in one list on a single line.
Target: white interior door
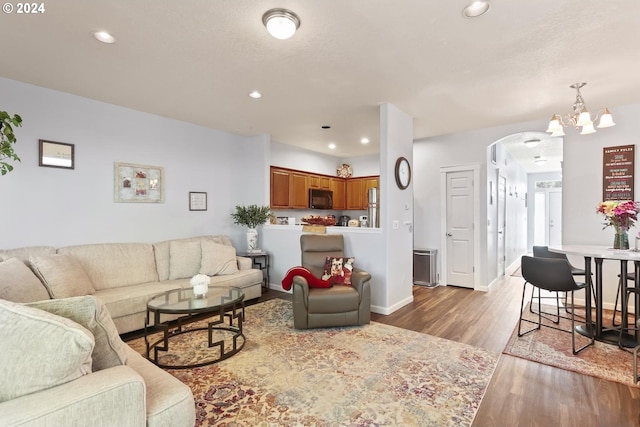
[(554, 217), (459, 228), (502, 213)]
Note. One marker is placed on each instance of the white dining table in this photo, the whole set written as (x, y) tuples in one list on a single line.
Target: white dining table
[(598, 254)]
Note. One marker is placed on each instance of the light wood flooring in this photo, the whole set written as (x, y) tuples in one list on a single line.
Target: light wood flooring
[(521, 393)]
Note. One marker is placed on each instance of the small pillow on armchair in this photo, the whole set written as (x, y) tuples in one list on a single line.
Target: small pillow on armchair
[(338, 270)]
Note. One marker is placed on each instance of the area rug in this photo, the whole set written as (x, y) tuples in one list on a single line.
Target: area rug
[(374, 375), (553, 348)]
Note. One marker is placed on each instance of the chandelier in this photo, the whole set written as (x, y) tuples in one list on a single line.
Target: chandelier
[(581, 118)]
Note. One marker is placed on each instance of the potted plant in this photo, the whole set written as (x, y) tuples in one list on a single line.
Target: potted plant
[(6, 139), (251, 216)]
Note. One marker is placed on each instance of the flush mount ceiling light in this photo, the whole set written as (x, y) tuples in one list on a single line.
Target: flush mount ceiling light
[(255, 94), (104, 37), (539, 160), (281, 23), (581, 118), (476, 8), (531, 143)]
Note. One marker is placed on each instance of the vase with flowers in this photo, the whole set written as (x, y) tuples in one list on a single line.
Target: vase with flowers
[(621, 215)]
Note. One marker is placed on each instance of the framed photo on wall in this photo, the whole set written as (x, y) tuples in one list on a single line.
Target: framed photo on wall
[(56, 154), (135, 183), (197, 201)]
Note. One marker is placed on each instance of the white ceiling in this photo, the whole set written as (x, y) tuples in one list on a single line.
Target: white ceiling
[(197, 60)]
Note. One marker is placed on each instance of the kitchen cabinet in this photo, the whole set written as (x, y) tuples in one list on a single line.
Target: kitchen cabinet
[(299, 190), (290, 189), (337, 185), (357, 191)]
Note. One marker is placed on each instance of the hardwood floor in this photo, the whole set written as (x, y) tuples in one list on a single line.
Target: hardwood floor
[(521, 393)]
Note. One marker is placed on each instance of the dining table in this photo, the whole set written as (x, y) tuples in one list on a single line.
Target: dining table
[(597, 255)]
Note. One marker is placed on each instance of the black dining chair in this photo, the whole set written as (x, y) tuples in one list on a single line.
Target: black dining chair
[(623, 286), (544, 252), (552, 275)]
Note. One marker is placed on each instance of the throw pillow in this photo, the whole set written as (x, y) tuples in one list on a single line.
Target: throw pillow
[(338, 270), (19, 284), (91, 313), (40, 350), (218, 259), (62, 275), (184, 259)]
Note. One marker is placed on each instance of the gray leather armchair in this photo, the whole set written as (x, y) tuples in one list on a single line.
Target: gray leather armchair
[(326, 307)]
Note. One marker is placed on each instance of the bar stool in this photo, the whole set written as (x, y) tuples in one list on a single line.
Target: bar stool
[(630, 277), (544, 252)]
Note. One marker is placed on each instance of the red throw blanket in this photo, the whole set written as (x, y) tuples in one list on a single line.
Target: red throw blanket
[(313, 281)]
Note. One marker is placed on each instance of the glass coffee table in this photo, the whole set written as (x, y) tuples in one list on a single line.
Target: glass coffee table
[(199, 344)]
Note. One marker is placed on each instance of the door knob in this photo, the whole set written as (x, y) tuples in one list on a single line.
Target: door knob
[(449, 234)]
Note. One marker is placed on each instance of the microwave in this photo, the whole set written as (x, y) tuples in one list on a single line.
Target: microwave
[(320, 199)]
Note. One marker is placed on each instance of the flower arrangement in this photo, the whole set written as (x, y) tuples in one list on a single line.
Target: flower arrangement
[(619, 214), (200, 284)]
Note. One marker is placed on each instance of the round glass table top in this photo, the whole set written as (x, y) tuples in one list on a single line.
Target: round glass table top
[(185, 301)]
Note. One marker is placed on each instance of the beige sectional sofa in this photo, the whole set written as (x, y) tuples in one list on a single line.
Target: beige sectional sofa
[(56, 383), (125, 275)]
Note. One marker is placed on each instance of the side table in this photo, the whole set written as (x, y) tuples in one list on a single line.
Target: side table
[(260, 260)]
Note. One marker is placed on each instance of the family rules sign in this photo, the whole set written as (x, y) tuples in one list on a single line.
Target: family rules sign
[(618, 172)]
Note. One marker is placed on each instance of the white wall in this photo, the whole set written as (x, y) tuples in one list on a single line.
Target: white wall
[(582, 188), (58, 207), (466, 148), (396, 140)]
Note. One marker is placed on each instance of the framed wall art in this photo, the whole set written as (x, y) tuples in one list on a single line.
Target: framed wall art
[(138, 183), (197, 201), (56, 154)]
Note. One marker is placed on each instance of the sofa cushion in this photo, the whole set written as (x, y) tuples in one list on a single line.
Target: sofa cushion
[(91, 313), (23, 254), (110, 265), (161, 251), (184, 259), (126, 300), (40, 350), (19, 284), (62, 275), (218, 259), (337, 270)]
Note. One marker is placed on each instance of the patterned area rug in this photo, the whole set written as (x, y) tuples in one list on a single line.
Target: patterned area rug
[(375, 375), (553, 348)]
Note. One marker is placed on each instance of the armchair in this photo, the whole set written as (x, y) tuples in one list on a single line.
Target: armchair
[(335, 306)]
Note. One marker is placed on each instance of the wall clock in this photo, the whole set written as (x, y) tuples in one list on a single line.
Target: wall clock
[(403, 173)]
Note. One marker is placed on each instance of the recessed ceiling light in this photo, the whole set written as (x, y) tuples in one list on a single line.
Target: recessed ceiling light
[(332, 146), (476, 8), (532, 143), (255, 94), (104, 37), (364, 141)]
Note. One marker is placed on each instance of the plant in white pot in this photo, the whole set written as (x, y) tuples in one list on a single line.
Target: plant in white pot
[(251, 216)]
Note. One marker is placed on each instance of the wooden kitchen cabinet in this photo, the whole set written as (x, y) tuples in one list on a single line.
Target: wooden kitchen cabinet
[(337, 185), (289, 189), (357, 191), (299, 190), (354, 193), (280, 185)]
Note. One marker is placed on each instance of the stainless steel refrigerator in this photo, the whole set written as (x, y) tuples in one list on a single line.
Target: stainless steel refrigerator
[(373, 207)]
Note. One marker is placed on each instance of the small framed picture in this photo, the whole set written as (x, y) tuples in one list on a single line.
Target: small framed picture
[(197, 201), (56, 154)]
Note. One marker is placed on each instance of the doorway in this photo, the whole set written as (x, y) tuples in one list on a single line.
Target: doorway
[(460, 213), (547, 224)]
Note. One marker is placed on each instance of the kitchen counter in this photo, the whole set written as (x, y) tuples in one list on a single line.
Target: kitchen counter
[(330, 229)]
